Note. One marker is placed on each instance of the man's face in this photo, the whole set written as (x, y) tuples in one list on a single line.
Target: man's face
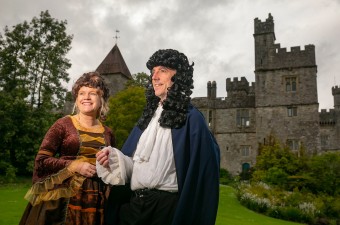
[(161, 80)]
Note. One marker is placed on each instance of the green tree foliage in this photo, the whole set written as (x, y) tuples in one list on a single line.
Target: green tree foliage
[(275, 164), (125, 109), (324, 173), (33, 65), (280, 166), (139, 80)]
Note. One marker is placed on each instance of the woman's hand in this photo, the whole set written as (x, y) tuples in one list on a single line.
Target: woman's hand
[(103, 157), (86, 169)]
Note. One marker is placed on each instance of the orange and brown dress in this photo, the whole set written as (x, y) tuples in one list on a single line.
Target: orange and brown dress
[(59, 195)]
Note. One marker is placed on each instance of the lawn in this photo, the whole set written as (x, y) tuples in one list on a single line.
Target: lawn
[(12, 203), (230, 211)]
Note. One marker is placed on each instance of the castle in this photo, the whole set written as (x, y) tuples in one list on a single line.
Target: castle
[(281, 102)]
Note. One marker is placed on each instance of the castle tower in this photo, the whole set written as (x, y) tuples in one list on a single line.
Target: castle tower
[(114, 70), (264, 37), (336, 96), (237, 88), (286, 90)]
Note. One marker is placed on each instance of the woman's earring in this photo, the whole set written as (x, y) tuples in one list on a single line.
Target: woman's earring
[(75, 109)]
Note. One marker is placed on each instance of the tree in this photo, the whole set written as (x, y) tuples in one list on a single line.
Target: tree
[(34, 62), (139, 80), (33, 65), (324, 171), (125, 109), (276, 164)]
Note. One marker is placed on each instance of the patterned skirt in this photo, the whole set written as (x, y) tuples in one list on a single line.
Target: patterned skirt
[(85, 208)]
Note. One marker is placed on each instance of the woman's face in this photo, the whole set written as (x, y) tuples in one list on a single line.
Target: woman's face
[(88, 101)]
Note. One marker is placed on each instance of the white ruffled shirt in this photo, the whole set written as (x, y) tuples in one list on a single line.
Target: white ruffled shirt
[(153, 164)]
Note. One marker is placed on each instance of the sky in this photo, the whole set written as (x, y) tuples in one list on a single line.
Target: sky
[(217, 35)]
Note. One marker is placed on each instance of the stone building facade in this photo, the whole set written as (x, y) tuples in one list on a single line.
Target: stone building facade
[(281, 102)]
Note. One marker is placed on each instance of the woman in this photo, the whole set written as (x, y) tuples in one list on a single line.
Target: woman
[(66, 188)]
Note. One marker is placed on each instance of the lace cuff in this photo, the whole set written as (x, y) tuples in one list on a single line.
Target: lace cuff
[(120, 168)]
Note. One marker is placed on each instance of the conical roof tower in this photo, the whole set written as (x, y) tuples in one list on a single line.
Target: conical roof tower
[(114, 70)]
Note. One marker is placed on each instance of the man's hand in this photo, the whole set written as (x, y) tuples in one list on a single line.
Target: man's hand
[(103, 157)]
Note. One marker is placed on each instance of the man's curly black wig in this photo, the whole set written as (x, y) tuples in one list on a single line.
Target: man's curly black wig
[(175, 106)]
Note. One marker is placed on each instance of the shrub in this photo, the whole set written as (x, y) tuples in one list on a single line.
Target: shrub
[(276, 176), (225, 177)]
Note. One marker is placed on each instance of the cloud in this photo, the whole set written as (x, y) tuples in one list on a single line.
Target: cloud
[(216, 35)]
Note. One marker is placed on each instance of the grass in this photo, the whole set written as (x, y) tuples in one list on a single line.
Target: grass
[(230, 211), (12, 202)]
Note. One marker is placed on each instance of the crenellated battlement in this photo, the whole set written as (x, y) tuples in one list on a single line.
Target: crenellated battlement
[(241, 85), (327, 118), (336, 90), (237, 85), (325, 111), (270, 55), (296, 57), (264, 27), (295, 49)]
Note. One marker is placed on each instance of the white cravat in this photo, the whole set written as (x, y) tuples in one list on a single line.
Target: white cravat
[(154, 164), (148, 138)]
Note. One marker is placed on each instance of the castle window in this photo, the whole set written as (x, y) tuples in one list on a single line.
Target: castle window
[(242, 118), (292, 111), (290, 84), (293, 144), (210, 118), (245, 150), (324, 140)]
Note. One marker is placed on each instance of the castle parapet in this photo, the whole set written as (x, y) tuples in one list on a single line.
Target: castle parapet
[(327, 118), (336, 90), (237, 85), (264, 27), (293, 58)]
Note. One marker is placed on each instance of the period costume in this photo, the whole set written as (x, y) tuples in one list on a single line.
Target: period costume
[(197, 157), (59, 195)]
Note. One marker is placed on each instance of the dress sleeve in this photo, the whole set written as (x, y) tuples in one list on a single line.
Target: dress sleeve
[(47, 161), (54, 174)]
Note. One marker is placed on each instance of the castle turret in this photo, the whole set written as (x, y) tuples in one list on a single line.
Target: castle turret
[(336, 96), (264, 37), (269, 55), (237, 87)]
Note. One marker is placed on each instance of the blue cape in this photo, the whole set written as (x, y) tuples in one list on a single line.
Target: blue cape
[(197, 160)]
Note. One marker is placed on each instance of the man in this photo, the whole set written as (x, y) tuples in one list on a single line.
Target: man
[(170, 158)]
